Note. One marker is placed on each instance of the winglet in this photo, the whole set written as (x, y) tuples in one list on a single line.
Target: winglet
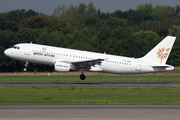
[(160, 52)]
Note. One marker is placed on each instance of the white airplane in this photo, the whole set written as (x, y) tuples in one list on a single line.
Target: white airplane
[(65, 59)]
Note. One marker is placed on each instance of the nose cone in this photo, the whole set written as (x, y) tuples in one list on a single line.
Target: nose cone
[(7, 52)]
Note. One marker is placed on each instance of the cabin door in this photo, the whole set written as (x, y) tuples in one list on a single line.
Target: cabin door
[(138, 66), (27, 50)]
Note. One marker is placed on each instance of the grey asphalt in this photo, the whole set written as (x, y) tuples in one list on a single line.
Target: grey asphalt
[(114, 84), (91, 112)]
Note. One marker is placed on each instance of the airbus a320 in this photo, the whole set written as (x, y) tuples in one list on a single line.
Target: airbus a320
[(65, 60)]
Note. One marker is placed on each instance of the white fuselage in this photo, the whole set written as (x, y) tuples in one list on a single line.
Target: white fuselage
[(48, 55)]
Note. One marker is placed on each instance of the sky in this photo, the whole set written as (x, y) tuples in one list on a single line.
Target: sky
[(48, 6)]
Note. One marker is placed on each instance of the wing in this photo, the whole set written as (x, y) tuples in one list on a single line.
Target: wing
[(86, 64)]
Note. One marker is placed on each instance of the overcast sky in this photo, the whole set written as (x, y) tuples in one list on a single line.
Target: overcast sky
[(47, 6)]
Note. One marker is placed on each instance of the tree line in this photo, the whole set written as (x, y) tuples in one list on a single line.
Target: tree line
[(129, 33)]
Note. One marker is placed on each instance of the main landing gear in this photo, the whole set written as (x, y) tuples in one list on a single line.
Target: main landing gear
[(82, 76), (26, 65)]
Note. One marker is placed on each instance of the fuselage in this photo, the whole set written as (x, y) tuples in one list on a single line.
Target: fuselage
[(48, 55)]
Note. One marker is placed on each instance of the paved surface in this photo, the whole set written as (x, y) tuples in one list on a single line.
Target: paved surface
[(91, 112), (119, 84)]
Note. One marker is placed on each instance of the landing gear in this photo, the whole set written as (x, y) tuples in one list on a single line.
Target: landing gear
[(26, 65), (82, 76)]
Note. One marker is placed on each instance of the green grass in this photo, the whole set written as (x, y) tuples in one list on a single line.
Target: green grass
[(96, 78), (88, 96)]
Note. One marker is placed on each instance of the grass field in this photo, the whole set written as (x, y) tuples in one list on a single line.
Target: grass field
[(96, 78), (88, 96), (173, 76)]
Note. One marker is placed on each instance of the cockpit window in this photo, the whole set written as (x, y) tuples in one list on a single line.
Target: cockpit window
[(15, 47)]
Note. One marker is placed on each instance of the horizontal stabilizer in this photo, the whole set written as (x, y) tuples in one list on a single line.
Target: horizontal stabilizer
[(160, 66)]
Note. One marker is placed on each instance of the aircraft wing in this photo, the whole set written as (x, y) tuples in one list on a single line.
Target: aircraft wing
[(87, 62), (83, 64)]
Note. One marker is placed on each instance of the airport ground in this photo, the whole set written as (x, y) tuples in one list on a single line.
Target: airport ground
[(91, 112), (157, 99)]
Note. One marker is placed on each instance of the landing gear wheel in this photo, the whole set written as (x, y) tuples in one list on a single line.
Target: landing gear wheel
[(83, 77)]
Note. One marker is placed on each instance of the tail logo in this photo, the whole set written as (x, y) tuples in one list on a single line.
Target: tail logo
[(163, 53)]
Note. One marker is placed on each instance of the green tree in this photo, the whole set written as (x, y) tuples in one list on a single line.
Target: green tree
[(108, 47), (81, 9), (12, 16), (8, 25), (81, 46), (30, 13), (143, 42), (174, 58), (60, 11), (58, 23), (36, 22), (114, 23), (91, 10), (27, 35), (71, 11), (160, 12)]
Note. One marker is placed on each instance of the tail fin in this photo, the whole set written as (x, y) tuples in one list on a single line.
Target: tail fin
[(161, 51)]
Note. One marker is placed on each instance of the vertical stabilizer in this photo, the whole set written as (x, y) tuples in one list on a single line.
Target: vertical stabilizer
[(161, 51)]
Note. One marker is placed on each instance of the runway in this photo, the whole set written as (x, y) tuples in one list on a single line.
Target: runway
[(91, 112), (99, 84)]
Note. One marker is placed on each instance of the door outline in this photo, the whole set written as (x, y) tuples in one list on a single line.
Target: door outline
[(138, 65), (27, 50)]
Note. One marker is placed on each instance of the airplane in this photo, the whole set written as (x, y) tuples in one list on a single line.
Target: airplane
[(65, 60)]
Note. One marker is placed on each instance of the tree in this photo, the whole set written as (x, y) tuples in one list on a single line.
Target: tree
[(30, 13), (174, 58), (81, 46), (81, 11), (91, 10), (160, 12), (114, 23), (8, 25), (13, 16), (143, 42), (36, 22), (60, 11), (92, 21), (71, 11), (107, 46), (58, 23)]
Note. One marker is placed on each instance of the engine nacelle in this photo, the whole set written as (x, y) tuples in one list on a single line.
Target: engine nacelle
[(62, 67)]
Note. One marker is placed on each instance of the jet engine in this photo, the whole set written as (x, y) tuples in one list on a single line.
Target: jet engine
[(62, 67)]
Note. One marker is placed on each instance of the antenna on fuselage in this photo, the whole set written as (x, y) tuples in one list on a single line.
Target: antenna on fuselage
[(30, 42)]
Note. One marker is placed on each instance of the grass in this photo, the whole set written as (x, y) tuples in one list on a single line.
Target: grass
[(91, 78), (88, 96)]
